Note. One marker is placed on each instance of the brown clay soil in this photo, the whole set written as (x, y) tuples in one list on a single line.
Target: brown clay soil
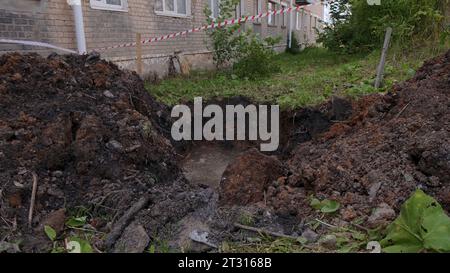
[(391, 145), (370, 162), (98, 142)]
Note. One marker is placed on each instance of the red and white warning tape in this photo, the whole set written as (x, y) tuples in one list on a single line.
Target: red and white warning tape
[(169, 36), (205, 27)]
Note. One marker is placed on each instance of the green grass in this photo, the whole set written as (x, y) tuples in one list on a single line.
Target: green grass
[(305, 79)]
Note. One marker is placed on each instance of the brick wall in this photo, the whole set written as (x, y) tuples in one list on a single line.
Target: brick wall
[(52, 21)]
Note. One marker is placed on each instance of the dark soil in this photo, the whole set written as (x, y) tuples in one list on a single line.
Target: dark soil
[(99, 143), (94, 138)]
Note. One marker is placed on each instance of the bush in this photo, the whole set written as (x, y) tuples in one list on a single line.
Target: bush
[(225, 40), (256, 60), (250, 56), (359, 27)]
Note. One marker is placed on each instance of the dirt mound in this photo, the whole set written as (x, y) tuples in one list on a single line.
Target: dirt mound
[(248, 177), (391, 145), (92, 136)]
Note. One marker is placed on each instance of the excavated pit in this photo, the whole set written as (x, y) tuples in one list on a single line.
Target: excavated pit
[(94, 138)]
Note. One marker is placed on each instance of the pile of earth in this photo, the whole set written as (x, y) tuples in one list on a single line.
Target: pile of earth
[(370, 163), (91, 136)]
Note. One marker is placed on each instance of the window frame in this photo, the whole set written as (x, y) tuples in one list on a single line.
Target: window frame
[(283, 15), (240, 8), (271, 18), (258, 10), (102, 5), (211, 6), (174, 13)]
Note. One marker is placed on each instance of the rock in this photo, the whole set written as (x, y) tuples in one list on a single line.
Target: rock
[(248, 177), (349, 213), (134, 239), (15, 200), (93, 57), (57, 174), (433, 181), (200, 241), (381, 216), (329, 241), (108, 94), (114, 145), (373, 190), (55, 220), (310, 236), (6, 247)]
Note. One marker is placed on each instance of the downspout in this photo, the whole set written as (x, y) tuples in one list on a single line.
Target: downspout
[(290, 25), (79, 25)]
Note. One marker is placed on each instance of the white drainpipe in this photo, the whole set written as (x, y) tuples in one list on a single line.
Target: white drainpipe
[(290, 25), (79, 25)]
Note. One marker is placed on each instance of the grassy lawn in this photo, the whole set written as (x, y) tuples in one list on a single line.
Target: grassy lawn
[(305, 79)]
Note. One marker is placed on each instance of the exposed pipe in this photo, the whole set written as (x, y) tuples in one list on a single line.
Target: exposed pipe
[(79, 25)]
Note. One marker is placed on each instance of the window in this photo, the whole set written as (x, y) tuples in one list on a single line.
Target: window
[(239, 12), (283, 16), (271, 17), (213, 6), (258, 9), (175, 8), (298, 20), (115, 5)]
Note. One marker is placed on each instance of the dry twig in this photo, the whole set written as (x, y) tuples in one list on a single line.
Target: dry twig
[(33, 198)]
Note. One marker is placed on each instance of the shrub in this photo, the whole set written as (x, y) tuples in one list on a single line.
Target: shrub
[(256, 59), (250, 56), (359, 27)]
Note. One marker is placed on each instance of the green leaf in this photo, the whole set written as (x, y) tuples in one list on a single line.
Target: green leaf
[(76, 221), (421, 225), (325, 206), (316, 204), (329, 206), (78, 245), (50, 232)]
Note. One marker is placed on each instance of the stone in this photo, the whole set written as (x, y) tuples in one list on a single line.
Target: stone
[(114, 145), (55, 220), (329, 241), (108, 94), (310, 236), (134, 239), (381, 216), (57, 173)]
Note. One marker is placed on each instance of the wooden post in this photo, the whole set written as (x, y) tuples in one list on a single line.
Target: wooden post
[(138, 54), (380, 69)]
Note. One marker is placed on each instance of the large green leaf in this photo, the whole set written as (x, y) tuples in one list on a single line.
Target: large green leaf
[(421, 226)]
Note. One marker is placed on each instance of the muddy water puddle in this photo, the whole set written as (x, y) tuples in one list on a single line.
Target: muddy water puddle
[(205, 163)]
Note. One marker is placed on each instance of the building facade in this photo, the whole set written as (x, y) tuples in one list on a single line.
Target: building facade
[(111, 22)]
